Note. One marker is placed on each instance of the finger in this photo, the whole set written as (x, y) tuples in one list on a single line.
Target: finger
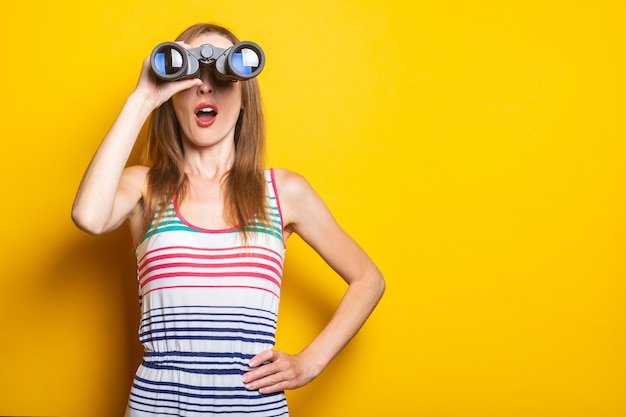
[(167, 89), (280, 381), (264, 371), (269, 355), (271, 383), (282, 386), (185, 84)]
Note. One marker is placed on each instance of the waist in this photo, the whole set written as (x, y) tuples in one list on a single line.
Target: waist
[(198, 362)]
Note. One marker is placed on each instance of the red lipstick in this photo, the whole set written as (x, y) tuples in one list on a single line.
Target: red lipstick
[(205, 114)]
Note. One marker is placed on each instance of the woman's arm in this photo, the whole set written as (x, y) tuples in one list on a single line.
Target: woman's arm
[(305, 213), (108, 192)]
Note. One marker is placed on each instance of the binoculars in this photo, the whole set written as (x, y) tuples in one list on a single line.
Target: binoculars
[(242, 61)]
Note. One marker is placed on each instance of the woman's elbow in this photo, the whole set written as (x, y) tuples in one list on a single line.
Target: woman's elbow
[(375, 284), (380, 285), (87, 223)]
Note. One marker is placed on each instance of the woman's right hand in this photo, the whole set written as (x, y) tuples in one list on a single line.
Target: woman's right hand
[(157, 92)]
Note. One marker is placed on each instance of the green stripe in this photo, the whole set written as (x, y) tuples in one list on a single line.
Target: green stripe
[(171, 222)]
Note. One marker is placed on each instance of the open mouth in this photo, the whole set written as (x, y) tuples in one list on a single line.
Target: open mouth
[(206, 114)]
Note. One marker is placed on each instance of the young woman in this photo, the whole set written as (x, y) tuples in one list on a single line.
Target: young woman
[(210, 226)]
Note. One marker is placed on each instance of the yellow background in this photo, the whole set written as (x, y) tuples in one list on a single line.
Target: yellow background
[(475, 150)]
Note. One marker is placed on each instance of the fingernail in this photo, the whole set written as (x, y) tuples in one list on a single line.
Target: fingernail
[(245, 379)]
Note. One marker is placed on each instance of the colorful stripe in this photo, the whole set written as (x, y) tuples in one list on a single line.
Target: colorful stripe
[(209, 304)]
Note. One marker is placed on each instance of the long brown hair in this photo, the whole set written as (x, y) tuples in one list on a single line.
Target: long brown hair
[(244, 184)]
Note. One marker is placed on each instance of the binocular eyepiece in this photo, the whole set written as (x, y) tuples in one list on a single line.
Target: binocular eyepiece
[(242, 61)]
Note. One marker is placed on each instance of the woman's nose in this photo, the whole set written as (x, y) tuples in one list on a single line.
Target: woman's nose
[(207, 83)]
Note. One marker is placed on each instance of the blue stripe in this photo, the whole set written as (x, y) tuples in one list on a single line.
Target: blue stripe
[(164, 315), (199, 354), (215, 371), (185, 360), (229, 338), (234, 390), (214, 330), (240, 365), (280, 402), (233, 310), (284, 413), (163, 322)]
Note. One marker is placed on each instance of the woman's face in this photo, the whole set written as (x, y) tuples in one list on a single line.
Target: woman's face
[(207, 114)]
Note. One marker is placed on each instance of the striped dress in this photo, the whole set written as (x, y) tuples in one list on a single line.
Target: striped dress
[(209, 304)]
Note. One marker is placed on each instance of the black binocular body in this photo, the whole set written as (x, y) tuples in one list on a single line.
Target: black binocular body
[(242, 61)]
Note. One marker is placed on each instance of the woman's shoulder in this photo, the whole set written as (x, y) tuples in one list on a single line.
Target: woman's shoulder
[(294, 191), (290, 183), (303, 209)]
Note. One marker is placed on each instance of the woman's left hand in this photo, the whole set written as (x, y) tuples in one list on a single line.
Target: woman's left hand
[(275, 371)]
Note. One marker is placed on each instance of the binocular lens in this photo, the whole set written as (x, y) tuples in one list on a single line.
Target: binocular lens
[(168, 61), (246, 61)]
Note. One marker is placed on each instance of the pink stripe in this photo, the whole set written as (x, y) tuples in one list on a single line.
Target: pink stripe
[(210, 275), (234, 248), (209, 286), (216, 265), (208, 257)]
